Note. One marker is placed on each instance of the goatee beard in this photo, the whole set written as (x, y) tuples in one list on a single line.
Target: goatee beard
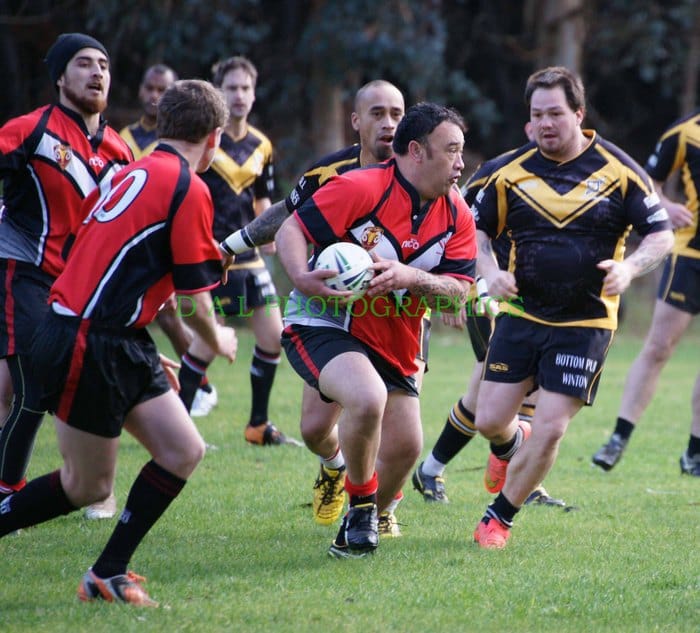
[(86, 105)]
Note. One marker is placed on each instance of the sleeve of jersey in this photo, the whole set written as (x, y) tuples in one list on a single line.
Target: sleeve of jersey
[(459, 259), (265, 186), (14, 152), (485, 208), (196, 258), (328, 214), (666, 157), (642, 204), (306, 186)]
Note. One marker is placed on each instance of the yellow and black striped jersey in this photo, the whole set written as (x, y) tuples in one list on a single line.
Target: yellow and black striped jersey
[(679, 148), (141, 138), (241, 173), (563, 219), (320, 172), (502, 244)]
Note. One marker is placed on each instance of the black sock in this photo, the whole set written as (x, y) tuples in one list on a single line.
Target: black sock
[(507, 450), (358, 500), (40, 500), (150, 495), (17, 442), (192, 370), (503, 510), (262, 374), (694, 445), (458, 431), (22, 423), (623, 428)]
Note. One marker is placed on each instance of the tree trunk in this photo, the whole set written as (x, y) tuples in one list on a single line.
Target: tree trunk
[(692, 67), (560, 31)]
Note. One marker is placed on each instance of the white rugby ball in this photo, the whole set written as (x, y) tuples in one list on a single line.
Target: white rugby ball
[(352, 263)]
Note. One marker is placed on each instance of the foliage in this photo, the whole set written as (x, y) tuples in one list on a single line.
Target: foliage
[(472, 54)]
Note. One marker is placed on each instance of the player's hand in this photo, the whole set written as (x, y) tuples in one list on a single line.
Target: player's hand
[(679, 215), (226, 264), (311, 284), (268, 249), (503, 285), (389, 275), (170, 368), (455, 319), (618, 277), (227, 341)]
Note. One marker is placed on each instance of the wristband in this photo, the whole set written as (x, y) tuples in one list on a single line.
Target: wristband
[(482, 288), (237, 243)]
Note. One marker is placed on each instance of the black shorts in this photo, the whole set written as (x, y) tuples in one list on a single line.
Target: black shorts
[(247, 288), (91, 377), (479, 330), (24, 291), (566, 360), (680, 283), (309, 349), (424, 340)]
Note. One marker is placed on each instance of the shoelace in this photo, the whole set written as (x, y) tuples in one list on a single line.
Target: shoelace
[(327, 483)]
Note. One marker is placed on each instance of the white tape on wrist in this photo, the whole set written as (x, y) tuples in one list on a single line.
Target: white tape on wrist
[(237, 243)]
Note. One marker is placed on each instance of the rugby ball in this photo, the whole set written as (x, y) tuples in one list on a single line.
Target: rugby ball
[(353, 265)]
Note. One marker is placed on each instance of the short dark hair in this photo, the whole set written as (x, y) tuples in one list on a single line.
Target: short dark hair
[(553, 76), (190, 109), (158, 69), (419, 121), (220, 69)]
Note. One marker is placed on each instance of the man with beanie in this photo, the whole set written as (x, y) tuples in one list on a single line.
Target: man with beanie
[(146, 237), (50, 160)]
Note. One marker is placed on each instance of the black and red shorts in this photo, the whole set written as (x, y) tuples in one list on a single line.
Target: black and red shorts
[(92, 376), (309, 349), (24, 290)]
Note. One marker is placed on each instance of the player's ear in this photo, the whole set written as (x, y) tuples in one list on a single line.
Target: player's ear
[(355, 121), (415, 150), (214, 138)]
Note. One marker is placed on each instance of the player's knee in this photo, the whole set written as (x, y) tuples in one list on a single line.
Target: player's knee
[(315, 429), (367, 407), (657, 351), (489, 426)]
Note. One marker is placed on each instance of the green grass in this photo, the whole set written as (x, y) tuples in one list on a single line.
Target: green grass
[(238, 550)]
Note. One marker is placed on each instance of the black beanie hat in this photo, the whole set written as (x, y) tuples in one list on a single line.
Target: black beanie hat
[(63, 49)]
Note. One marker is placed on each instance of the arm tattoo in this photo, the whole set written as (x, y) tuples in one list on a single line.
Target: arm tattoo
[(440, 291), (650, 252), (263, 228)]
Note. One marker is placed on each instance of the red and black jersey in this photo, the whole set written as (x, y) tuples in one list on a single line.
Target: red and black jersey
[(50, 163), (679, 148), (379, 209), (149, 236)]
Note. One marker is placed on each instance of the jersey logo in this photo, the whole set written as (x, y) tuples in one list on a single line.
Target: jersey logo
[(96, 161), (412, 244), (63, 155), (371, 236)]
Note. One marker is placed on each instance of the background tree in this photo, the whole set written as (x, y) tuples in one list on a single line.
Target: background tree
[(639, 59)]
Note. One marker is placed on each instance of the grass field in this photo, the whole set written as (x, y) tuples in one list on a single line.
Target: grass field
[(238, 551)]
